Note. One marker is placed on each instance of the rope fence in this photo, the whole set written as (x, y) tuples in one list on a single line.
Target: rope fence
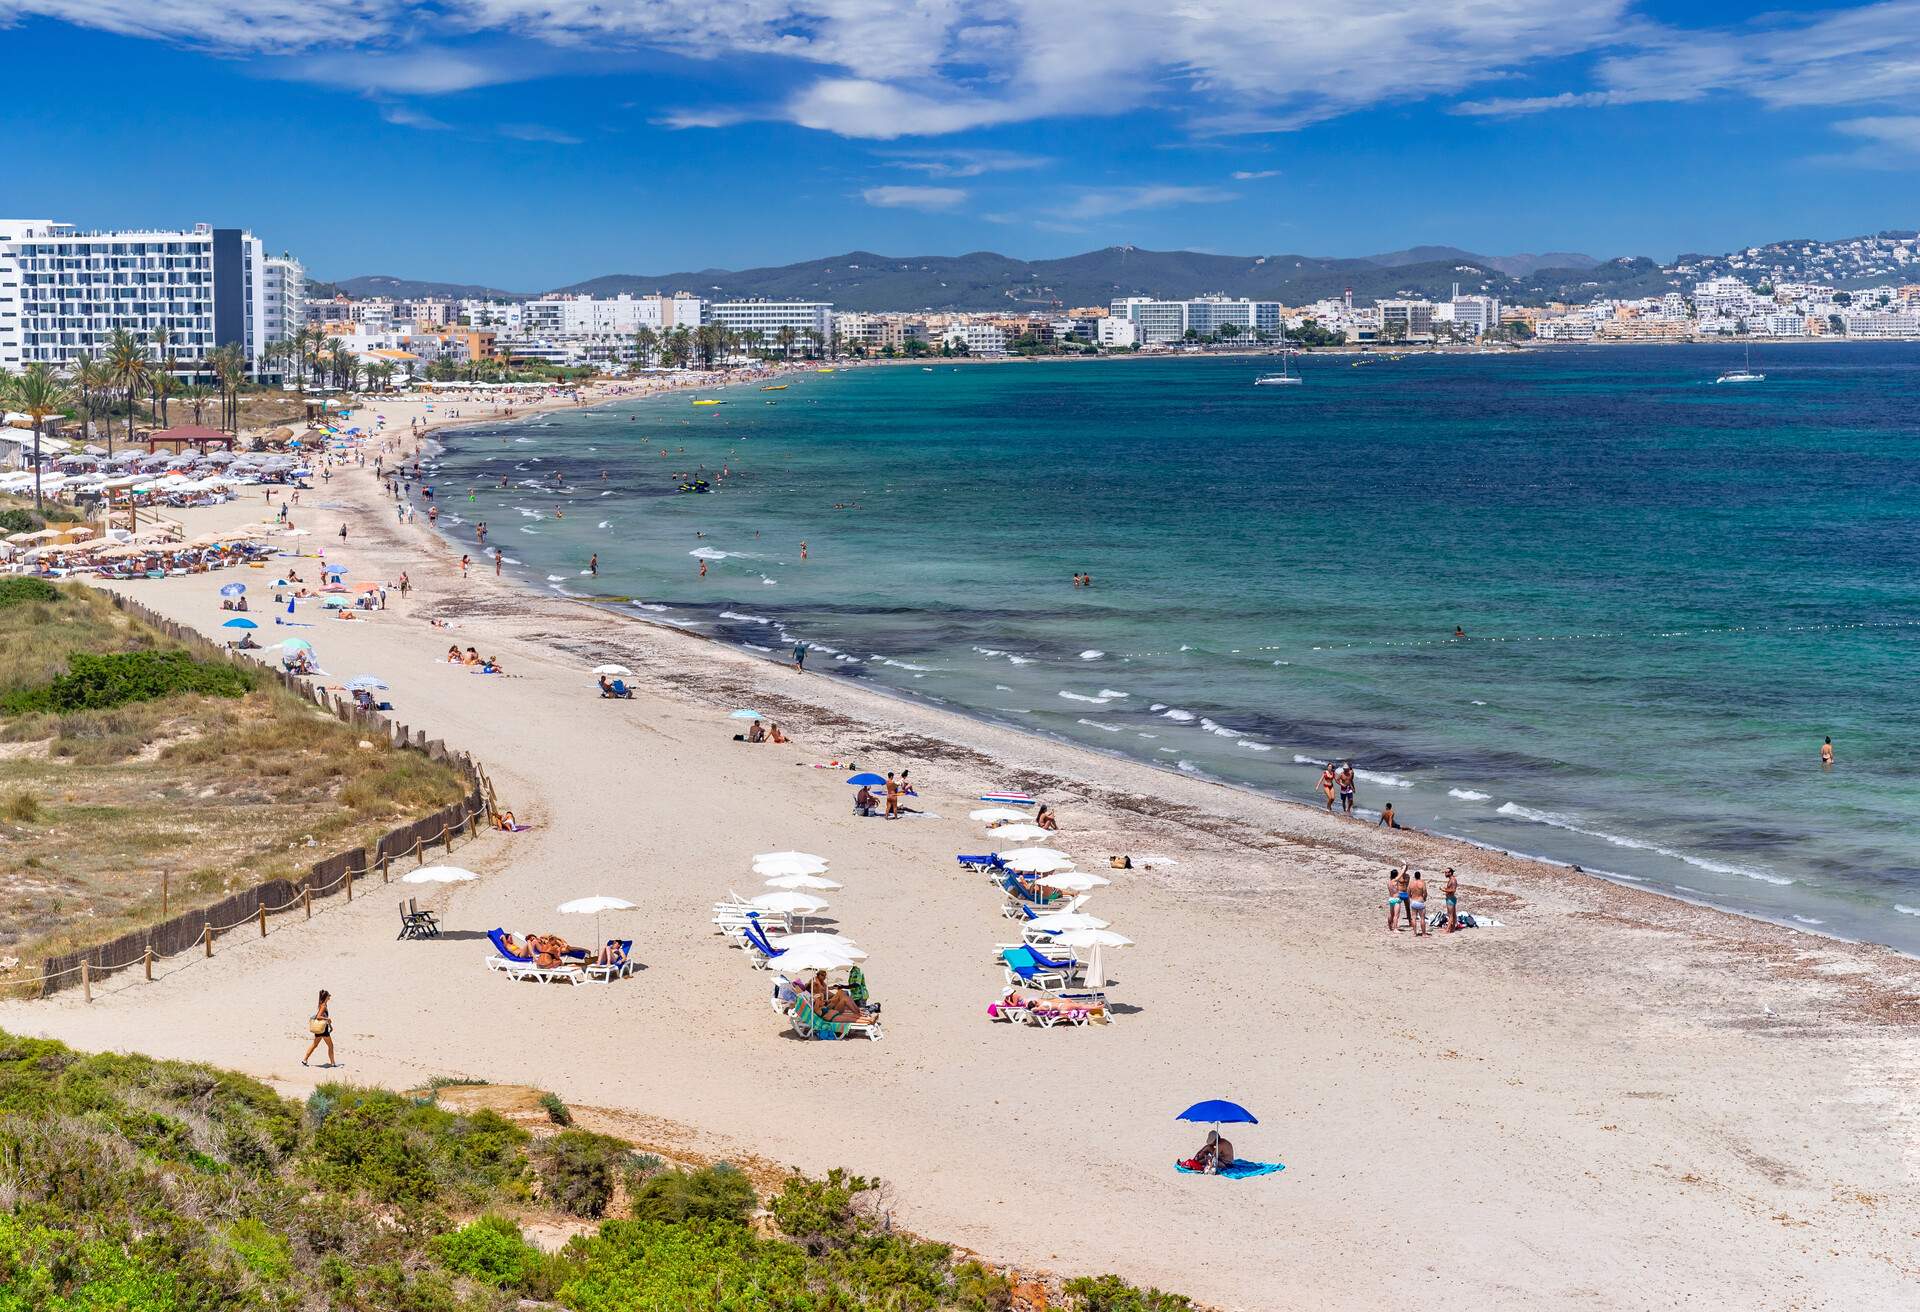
[(197, 930)]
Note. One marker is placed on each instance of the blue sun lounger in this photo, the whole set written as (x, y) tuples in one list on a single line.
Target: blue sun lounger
[(757, 942), (987, 861)]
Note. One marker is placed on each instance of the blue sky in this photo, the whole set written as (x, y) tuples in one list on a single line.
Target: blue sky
[(531, 143)]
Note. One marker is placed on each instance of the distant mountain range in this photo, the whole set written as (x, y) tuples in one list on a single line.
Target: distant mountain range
[(862, 280)]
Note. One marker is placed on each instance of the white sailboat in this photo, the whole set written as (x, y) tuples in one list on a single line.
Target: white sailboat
[(1285, 378), (1744, 374)]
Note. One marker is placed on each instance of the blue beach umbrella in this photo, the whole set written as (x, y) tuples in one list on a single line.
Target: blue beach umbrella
[(338, 601), (240, 622), (296, 644), (366, 683), (232, 589), (869, 780), (744, 714), (1218, 1111)]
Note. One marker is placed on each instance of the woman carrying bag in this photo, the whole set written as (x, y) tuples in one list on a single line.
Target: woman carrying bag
[(320, 1024)]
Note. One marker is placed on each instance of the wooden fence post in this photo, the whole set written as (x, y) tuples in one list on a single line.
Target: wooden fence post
[(306, 898), (163, 895), (206, 936), (349, 883), (86, 979), (261, 908)]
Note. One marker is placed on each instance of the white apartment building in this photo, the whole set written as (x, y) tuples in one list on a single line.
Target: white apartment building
[(1880, 323), (1116, 333), (284, 298), (976, 338), (769, 317), (1157, 322), (63, 291), (1407, 321), (1477, 315)]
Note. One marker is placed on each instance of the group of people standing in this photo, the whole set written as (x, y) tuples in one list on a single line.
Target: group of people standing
[(1407, 894)]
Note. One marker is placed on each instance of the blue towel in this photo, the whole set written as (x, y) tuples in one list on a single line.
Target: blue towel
[(1239, 1170)]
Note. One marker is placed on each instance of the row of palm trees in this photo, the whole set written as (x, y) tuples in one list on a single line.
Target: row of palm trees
[(712, 342), (309, 354)]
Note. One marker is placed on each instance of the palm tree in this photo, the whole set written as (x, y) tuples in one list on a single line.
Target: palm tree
[(197, 395), (814, 339), (646, 343), (127, 362), (90, 376), (41, 394), (163, 380), (229, 365), (785, 339), (751, 339)]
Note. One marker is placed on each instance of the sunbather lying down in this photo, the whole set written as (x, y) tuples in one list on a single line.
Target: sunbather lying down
[(1014, 1004), (1215, 1155)]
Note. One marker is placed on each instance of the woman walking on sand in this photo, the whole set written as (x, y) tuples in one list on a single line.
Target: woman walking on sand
[(321, 1026)]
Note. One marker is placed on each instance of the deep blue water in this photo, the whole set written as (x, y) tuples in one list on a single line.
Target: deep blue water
[(1671, 590)]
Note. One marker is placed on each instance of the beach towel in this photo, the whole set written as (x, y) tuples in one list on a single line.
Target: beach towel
[(1237, 1171)]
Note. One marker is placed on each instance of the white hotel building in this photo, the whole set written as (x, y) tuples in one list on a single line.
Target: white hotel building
[(1157, 322), (63, 291), (769, 317), (284, 304)]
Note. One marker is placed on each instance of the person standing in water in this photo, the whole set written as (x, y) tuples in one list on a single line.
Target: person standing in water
[(1345, 780), (593, 565), (800, 657), (1327, 786), (1826, 754)]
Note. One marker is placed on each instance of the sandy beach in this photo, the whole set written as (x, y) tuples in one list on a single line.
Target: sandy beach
[(1613, 1100)]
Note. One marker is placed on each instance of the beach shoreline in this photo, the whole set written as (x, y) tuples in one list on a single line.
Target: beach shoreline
[(1615, 1098)]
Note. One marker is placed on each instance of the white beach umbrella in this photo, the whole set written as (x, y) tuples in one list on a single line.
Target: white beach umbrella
[(745, 714), (1072, 881), (1061, 922), (789, 865), (1037, 861), (1098, 941), (1035, 854), (802, 881), (787, 901), (789, 856), (833, 942), (1021, 832), (995, 814), (593, 906), (807, 958), (619, 670), (438, 875)]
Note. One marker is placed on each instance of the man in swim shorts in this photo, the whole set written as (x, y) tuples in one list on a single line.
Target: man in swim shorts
[(1452, 890), (1393, 900), (1417, 904), (1345, 780)]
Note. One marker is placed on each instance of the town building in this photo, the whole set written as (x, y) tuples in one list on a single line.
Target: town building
[(63, 291), (284, 298), (769, 317)]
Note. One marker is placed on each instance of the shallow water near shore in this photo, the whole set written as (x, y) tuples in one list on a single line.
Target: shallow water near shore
[(1670, 591)]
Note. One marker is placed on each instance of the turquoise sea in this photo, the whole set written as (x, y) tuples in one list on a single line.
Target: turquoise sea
[(1671, 591)]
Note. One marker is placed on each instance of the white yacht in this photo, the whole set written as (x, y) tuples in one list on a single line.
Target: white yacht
[(1285, 378), (1744, 374)]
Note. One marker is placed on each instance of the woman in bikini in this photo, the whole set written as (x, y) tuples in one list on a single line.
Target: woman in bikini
[(321, 1024), (1327, 787)]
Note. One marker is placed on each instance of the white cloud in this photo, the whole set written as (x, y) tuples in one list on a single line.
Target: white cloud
[(401, 116), (1890, 141), (965, 163), (914, 198), (885, 69), (535, 132), (1250, 175), (1099, 202)]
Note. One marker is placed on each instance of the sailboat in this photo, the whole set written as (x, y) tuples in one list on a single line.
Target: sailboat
[(1286, 377), (1744, 374)]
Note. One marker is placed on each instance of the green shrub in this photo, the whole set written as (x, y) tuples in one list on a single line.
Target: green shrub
[(577, 1170), (712, 1193), (1109, 1293), (556, 1110), (100, 682), (19, 591), (15, 520), (398, 1150), (21, 808), (820, 1215), (488, 1249)]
